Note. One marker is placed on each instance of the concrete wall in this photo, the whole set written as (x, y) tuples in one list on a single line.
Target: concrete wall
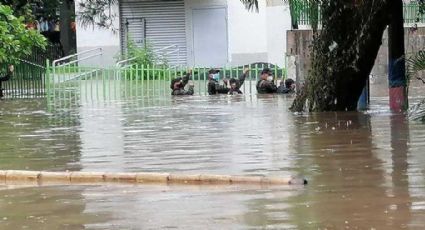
[(413, 40), (278, 22), (297, 47), (257, 36), (247, 33), (93, 37), (298, 42)]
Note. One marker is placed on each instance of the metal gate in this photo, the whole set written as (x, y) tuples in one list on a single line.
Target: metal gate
[(28, 80)]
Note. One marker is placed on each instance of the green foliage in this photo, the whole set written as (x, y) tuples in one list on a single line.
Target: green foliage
[(16, 40), (421, 8), (417, 112), (143, 55), (20, 7), (250, 4), (97, 13), (415, 64)]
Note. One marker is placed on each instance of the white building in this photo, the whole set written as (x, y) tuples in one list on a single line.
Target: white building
[(197, 32)]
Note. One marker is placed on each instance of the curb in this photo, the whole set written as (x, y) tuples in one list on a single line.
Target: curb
[(42, 177)]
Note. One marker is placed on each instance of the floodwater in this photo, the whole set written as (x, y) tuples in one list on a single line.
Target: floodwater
[(365, 169)]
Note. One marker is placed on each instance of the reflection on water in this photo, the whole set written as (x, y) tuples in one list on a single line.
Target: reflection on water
[(365, 169)]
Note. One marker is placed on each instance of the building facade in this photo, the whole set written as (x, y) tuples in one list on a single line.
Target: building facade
[(200, 33)]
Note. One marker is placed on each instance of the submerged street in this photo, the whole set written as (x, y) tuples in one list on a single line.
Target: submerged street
[(365, 169)]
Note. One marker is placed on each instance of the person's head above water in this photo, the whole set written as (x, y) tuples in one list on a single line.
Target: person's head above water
[(11, 68), (214, 74), (289, 83), (266, 74), (233, 83)]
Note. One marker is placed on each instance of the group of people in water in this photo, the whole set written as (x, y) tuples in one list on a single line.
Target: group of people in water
[(232, 86), (216, 85)]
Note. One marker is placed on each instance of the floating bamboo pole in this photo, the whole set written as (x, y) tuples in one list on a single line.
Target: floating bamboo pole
[(42, 177)]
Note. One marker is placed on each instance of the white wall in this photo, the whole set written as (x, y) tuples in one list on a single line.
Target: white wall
[(258, 36), (278, 22), (247, 29), (189, 6), (89, 38), (247, 33)]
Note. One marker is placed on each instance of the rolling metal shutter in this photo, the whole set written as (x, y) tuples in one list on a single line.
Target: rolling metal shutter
[(160, 22)]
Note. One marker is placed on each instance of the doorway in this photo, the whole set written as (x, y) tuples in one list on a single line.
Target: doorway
[(210, 40)]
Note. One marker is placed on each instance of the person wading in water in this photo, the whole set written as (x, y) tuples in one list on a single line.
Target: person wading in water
[(6, 77), (178, 84), (265, 84)]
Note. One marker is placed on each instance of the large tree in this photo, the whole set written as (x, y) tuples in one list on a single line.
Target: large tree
[(343, 52)]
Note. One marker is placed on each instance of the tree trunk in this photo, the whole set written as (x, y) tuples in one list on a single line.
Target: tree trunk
[(343, 54)]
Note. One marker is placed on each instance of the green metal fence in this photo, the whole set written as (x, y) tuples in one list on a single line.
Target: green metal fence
[(72, 84), (27, 81), (301, 13), (411, 16), (29, 77)]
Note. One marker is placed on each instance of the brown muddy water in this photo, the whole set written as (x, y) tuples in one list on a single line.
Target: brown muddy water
[(365, 169)]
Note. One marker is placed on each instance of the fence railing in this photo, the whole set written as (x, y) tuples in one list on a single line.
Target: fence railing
[(410, 12), (51, 52), (166, 53), (28, 80), (300, 13), (29, 77), (68, 82)]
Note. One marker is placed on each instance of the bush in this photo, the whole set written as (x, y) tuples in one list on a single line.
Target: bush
[(16, 40)]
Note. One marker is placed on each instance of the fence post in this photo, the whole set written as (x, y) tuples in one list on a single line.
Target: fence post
[(143, 78), (136, 79), (47, 79)]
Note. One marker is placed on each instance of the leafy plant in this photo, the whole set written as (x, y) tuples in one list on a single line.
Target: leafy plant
[(143, 56), (414, 65), (15, 39), (97, 13)]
